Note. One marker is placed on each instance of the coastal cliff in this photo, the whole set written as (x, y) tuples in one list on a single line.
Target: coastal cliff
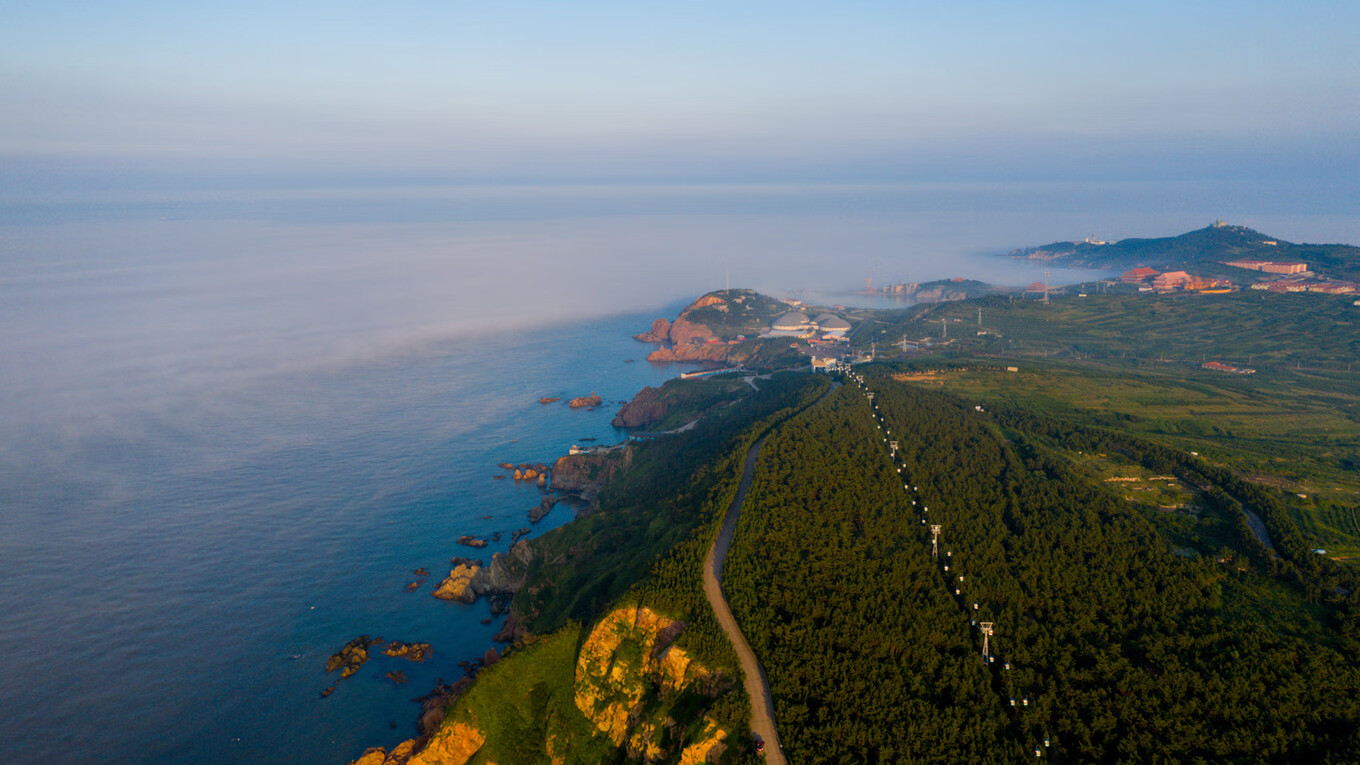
[(647, 407), (628, 690), (679, 402), (708, 328), (715, 353), (614, 655), (584, 475), (629, 656)]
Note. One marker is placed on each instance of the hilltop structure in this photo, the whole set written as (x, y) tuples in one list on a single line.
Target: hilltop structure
[(797, 324)]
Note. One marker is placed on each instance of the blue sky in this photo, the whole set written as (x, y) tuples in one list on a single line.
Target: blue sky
[(454, 91)]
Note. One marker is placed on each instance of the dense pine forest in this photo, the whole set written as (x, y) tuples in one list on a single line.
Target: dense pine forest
[(1108, 644), (1128, 569)]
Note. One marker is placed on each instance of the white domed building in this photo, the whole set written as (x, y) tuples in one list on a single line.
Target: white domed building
[(832, 326), (792, 324)]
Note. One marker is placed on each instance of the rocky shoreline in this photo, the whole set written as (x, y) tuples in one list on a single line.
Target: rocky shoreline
[(579, 477)]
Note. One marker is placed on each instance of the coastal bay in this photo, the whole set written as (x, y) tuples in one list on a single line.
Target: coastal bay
[(229, 578)]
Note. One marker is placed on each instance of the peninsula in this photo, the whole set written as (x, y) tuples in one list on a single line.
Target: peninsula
[(1062, 534)]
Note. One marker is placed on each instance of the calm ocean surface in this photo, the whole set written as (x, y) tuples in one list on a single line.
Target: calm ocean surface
[(232, 428)]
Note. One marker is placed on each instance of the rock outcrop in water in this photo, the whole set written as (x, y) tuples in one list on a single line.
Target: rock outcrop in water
[(659, 333), (545, 506), (417, 652), (585, 402), (458, 584), (352, 656)]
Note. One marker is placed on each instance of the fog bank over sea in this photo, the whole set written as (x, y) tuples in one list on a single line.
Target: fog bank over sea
[(145, 303), (235, 422)]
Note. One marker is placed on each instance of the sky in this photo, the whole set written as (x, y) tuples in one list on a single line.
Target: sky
[(447, 91)]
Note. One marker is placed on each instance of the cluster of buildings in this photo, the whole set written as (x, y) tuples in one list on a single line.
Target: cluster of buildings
[(901, 288), (1219, 366), (1269, 266), (1328, 287), (1149, 280), (797, 324), (1290, 276)]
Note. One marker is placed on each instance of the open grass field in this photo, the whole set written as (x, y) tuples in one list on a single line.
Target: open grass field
[(1262, 330), (1295, 430), (1133, 361)]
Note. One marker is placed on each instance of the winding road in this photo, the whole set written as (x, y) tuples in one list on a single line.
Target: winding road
[(757, 687)]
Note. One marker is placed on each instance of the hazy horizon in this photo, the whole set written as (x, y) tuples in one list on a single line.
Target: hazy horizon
[(250, 95)]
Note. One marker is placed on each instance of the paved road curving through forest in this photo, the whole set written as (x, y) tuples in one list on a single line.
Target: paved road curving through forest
[(757, 687)]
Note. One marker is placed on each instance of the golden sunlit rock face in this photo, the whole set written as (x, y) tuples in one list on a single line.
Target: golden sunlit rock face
[(458, 584), (627, 653)]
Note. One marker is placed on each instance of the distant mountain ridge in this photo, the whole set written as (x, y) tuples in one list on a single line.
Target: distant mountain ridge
[(1201, 250)]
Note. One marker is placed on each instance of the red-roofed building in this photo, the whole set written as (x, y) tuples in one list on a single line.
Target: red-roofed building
[(1137, 275), (1171, 280)]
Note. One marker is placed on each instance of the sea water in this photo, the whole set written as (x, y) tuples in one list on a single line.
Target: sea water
[(232, 429)]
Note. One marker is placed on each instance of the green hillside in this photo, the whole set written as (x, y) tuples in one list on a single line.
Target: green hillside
[(736, 312)]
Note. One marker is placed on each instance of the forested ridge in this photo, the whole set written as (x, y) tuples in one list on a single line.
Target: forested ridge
[(1112, 647)]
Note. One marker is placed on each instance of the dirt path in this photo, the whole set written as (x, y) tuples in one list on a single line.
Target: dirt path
[(757, 687)]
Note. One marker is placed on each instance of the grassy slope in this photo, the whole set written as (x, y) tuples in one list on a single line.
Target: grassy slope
[(1266, 331), (528, 698), (1131, 362)]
